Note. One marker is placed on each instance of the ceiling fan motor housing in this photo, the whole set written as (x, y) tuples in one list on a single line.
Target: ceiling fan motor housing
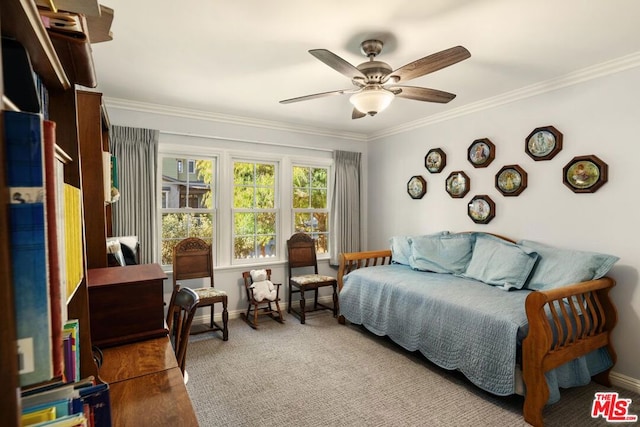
[(375, 70)]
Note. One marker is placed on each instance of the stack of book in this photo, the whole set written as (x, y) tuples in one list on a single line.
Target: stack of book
[(83, 403)]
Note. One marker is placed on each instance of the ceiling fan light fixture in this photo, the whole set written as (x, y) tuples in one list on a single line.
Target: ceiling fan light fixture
[(371, 100)]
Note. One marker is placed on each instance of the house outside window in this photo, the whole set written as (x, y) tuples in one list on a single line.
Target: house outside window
[(310, 197), (188, 206), (255, 211)]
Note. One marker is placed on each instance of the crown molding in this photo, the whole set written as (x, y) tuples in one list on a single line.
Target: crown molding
[(145, 107), (576, 77), (573, 78)]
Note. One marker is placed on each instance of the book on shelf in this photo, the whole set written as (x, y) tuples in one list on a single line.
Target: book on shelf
[(18, 77), (58, 303), (72, 328), (28, 244), (63, 23), (86, 7), (39, 416), (68, 344), (73, 237)]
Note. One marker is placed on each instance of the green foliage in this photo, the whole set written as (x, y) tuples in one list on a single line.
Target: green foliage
[(178, 226), (254, 190)]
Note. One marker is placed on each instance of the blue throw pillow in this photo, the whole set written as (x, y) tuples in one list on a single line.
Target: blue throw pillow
[(559, 267), (400, 249), (441, 253), (500, 263)]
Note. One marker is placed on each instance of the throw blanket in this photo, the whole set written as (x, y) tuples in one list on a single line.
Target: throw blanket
[(456, 323)]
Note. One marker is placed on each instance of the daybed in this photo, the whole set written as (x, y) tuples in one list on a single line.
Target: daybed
[(491, 308)]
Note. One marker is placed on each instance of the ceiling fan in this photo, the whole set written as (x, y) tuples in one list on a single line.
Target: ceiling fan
[(377, 83)]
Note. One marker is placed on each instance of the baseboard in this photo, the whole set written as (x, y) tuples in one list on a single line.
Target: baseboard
[(625, 382), (203, 318)]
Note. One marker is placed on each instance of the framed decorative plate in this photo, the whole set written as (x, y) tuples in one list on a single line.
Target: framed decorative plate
[(481, 209), (435, 160), (417, 187), (585, 174), (481, 153), (543, 143), (511, 180), (457, 184)]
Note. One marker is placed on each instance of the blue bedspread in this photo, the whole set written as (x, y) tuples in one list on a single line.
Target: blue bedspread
[(456, 323)]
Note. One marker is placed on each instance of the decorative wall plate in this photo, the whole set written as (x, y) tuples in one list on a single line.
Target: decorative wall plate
[(543, 143), (457, 184), (511, 180), (416, 187), (481, 209), (481, 153), (585, 174), (435, 160)]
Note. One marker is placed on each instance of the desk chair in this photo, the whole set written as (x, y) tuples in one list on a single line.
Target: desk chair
[(179, 318), (301, 250), (263, 306), (192, 259)]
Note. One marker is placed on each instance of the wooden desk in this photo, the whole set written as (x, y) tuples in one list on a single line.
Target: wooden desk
[(152, 400), (146, 385), (129, 361), (126, 303)]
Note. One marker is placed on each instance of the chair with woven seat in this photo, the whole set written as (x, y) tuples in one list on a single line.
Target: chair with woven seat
[(260, 306), (179, 318), (301, 250), (192, 259)]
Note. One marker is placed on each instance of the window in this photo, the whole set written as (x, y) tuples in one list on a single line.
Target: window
[(254, 210), (191, 166), (310, 204), (188, 203)]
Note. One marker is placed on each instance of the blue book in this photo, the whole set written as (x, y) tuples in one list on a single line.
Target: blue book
[(28, 242), (99, 403)]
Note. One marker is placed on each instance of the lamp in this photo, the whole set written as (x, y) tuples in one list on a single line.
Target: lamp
[(371, 100)]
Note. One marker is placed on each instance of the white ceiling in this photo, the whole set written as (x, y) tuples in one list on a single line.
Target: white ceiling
[(241, 57)]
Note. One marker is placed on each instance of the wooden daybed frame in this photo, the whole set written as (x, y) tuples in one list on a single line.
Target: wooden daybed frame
[(539, 353)]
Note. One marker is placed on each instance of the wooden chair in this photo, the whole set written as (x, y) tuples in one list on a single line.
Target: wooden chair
[(260, 307), (192, 259), (301, 250), (179, 318)]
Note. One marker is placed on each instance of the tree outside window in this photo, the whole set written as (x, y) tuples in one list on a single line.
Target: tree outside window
[(188, 208), (254, 210), (310, 204)]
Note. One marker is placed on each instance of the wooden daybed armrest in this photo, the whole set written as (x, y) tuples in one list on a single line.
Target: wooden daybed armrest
[(564, 323), (350, 261)]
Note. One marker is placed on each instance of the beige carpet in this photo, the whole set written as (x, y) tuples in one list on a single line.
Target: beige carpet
[(326, 374)]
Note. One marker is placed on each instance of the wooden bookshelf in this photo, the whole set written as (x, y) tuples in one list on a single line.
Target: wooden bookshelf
[(19, 19)]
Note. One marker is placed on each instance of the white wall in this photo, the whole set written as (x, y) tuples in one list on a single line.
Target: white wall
[(598, 117)]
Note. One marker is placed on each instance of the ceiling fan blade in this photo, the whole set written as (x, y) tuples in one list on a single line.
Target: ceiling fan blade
[(431, 63), (337, 63), (422, 94), (317, 95), (357, 114)]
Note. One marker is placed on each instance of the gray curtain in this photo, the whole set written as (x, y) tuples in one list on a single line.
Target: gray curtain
[(136, 151), (345, 206)]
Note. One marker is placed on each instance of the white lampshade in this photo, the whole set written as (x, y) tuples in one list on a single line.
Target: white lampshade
[(371, 100)]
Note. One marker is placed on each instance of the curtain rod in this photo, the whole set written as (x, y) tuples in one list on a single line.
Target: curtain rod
[(277, 144)]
